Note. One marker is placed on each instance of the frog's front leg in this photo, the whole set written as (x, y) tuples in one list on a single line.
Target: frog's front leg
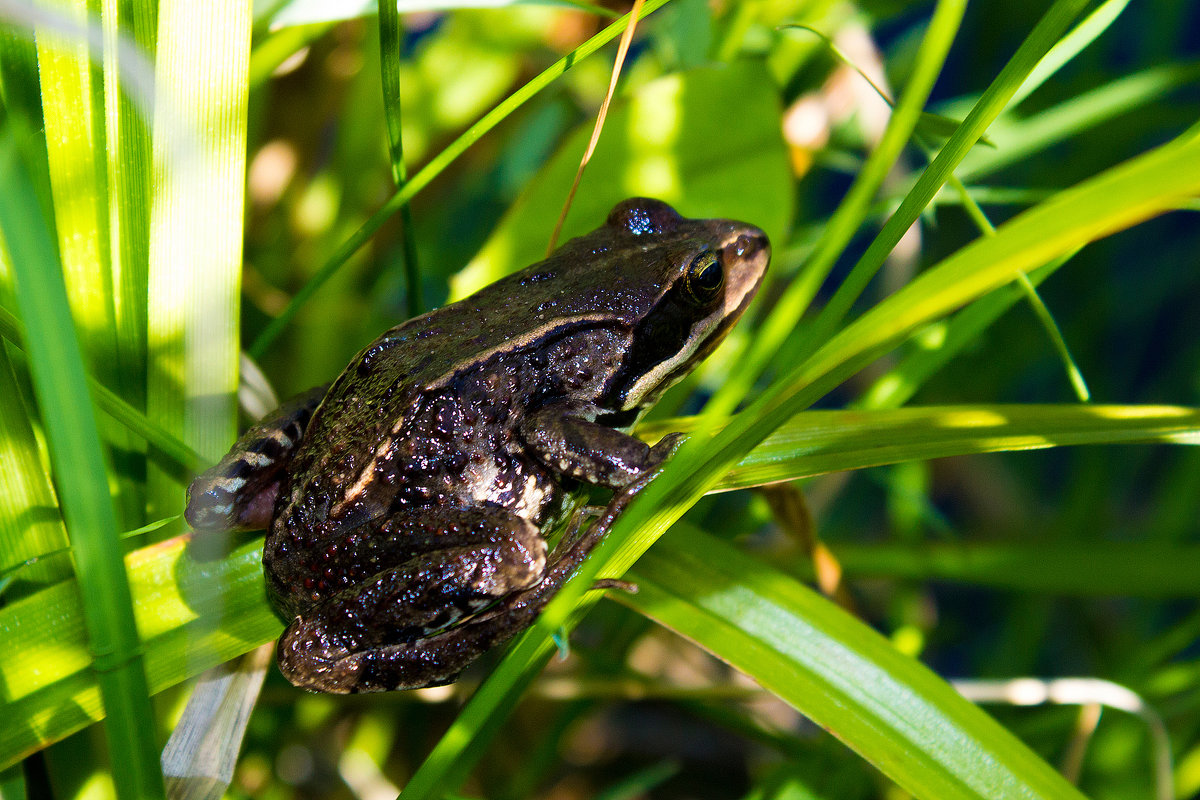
[(383, 631), (567, 441), (239, 492)]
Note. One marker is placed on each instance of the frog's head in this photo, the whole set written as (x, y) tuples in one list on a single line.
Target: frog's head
[(692, 280)]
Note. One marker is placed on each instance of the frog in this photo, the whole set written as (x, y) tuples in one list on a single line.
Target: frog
[(408, 503)]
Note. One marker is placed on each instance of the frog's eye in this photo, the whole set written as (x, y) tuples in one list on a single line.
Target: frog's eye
[(704, 277)]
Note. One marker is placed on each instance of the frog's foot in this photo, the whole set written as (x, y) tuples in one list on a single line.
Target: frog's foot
[(568, 442), (239, 492), (397, 629)]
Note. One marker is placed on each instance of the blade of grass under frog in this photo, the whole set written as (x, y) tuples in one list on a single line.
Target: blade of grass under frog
[(187, 627), (56, 363), (433, 168), (193, 614)]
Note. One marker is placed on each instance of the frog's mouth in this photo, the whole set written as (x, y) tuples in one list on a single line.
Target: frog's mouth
[(744, 252)]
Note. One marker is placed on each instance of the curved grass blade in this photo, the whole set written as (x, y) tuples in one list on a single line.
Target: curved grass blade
[(819, 442), (837, 671)]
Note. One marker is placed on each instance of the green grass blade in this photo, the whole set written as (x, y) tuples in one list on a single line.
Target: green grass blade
[(434, 168), (57, 367), (29, 521), (1071, 45), (391, 37), (191, 614), (991, 103), (818, 442), (181, 456), (851, 212), (73, 109), (1018, 141), (837, 671), (1088, 569), (128, 35)]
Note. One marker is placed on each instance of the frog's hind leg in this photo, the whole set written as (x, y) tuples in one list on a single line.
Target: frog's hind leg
[(381, 631), (239, 492)]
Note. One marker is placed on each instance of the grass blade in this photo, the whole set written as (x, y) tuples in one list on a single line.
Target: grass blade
[(58, 373), (837, 671), (391, 37), (29, 523), (993, 101), (851, 211), (196, 228)]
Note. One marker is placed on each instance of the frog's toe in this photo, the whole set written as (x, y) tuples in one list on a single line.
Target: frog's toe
[(310, 659)]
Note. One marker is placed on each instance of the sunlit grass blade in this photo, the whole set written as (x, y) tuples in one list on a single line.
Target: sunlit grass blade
[(29, 521), (818, 442), (433, 168), (128, 35), (841, 674), (191, 615), (73, 110), (58, 372), (199, 137)]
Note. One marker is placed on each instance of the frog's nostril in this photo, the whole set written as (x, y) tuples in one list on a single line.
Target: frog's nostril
[(747, 245)]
